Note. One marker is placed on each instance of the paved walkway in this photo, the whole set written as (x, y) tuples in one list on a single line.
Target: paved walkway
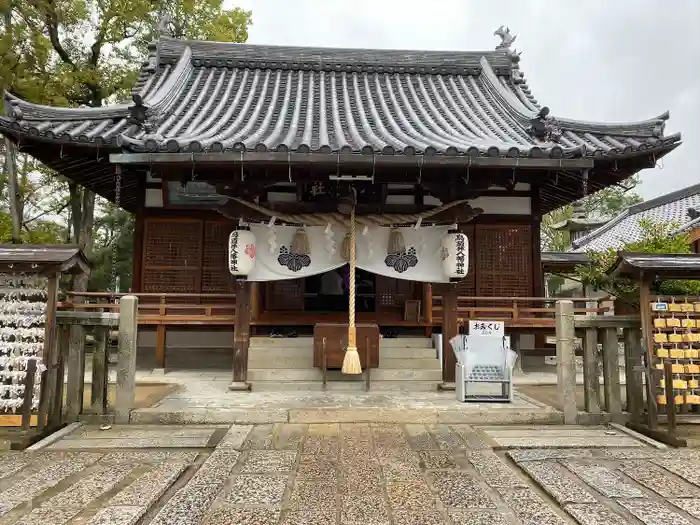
[(205, 402), (354, 474)]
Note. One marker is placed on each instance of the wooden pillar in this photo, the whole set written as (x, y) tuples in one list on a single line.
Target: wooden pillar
[(49, 356), (647, 348), (241, 336), (591, 376), (100, 371), (254, 301), (161, 336), (611, 371), (76, 373), (450, 328), (634, 384), (137, 257), (427, 305)]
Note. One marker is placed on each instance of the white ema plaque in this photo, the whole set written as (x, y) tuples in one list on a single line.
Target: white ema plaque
[(489, 328)]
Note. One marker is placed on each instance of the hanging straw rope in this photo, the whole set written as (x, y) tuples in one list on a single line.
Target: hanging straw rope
[(338, 219), (351, 361)]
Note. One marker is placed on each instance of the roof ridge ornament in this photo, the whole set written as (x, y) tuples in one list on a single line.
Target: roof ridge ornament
[(165, 25), (545, 127), (506, 38)]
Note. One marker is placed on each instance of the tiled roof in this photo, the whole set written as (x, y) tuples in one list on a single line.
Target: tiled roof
[(668, 266), (209, 96), (625, 228)]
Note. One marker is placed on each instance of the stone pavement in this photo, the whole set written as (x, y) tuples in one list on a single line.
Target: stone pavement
[(349, 474), (210, 402)]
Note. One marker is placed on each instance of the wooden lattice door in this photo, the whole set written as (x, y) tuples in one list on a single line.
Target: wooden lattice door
[(503, 261), (172, 256), (286, 295), (391, 295), (215, 275)]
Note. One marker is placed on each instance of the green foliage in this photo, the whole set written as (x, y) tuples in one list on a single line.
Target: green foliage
[(608, 202), (88, 52), (85, 52), (556, 240), (114, 235), (655, 238), (42, 232), (604, 204)]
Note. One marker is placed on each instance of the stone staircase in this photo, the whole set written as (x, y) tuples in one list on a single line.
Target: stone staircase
[(286, 364)]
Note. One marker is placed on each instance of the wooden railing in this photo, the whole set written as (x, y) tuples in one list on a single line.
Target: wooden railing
[(156, 309), (516, 311)]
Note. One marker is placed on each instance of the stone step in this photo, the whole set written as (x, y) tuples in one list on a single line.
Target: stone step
[(284, 374), (411, 363), (259, 361), (272, 352), (385, 374), (281, 342), (344, 386), (306, 386), (315, 374), (406, 342), (398, 352)]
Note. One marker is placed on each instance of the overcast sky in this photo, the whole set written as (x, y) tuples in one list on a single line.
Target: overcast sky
[(601, 60)]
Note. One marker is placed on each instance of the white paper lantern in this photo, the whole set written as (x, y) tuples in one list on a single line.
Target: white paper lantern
[(241, 252), (455, 255)]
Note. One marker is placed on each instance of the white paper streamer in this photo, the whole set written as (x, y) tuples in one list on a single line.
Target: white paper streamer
[(22, 324)]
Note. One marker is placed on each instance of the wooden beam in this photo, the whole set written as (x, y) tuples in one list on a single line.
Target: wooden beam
[(348, 159), (241, 336)]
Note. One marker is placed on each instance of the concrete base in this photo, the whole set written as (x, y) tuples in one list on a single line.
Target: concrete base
[(158, 371), (239, 386)]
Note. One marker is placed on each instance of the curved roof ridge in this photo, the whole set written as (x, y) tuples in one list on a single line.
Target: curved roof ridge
[(504, 95), (652, 127), (231, 54), (166, 95), (20, 109)]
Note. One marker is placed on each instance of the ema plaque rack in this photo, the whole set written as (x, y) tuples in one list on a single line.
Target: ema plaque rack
[(676, 337), (22, 331)]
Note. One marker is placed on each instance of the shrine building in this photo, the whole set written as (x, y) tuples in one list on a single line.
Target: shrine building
[(272, 142)]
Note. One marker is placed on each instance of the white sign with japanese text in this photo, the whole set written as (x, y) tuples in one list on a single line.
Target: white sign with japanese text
[(491, 328)]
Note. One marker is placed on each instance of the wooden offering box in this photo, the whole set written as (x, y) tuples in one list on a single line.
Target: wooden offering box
[(336, 341)]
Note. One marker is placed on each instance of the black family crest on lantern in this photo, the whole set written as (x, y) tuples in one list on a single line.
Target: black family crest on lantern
[(294, 262), (402, 260)]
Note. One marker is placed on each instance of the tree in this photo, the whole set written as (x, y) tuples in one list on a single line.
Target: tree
[(655, 238), (88, 52)]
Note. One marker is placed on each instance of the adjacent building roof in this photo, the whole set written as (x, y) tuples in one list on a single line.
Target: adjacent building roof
[(676, 207), (662, 265), (562, 262), (43, 259), (195, 96)]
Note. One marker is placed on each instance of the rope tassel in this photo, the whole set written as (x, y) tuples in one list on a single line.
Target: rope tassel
[(345, 249), (396, 242), (300, 243), (351, 361)]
